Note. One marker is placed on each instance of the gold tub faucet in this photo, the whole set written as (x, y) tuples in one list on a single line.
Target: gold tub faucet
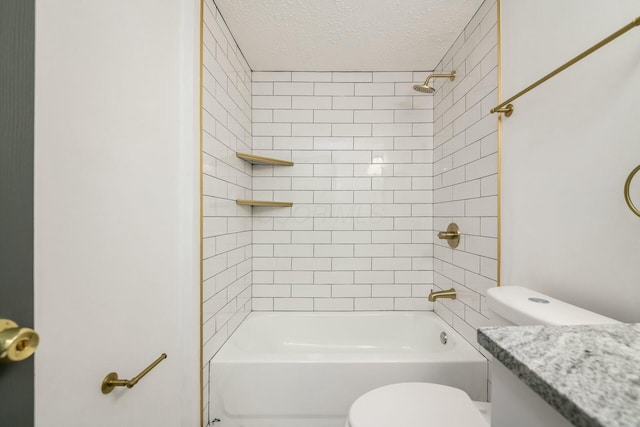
[(449, 293)]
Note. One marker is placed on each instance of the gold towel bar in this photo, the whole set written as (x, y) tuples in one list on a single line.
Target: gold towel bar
[(627, 187), (111, 381), (507, 107)]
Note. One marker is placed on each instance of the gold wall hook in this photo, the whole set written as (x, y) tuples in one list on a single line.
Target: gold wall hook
[(111, 381), (452, 235), (16, 344)]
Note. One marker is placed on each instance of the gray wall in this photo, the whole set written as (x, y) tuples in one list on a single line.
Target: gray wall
[(17, 31)]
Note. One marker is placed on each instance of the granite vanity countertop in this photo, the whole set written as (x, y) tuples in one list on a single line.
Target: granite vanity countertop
[(590, 374)]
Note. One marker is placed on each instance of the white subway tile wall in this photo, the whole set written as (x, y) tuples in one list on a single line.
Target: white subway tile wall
[(359, 235), (227, 244), (379, 170), (465, 172)]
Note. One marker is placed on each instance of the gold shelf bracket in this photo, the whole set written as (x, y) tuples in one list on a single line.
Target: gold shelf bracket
[(506, 107), (112, 381)]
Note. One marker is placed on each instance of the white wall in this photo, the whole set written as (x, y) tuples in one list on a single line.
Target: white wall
[(116, 225), (358, 236), (465, 173), (567, 151)]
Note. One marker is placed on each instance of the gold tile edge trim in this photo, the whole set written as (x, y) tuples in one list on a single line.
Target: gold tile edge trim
[(263, 203), (261, 160), (201, 368), (499, 49)]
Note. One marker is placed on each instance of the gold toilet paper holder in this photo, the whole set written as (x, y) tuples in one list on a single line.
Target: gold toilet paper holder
[(112, 381)]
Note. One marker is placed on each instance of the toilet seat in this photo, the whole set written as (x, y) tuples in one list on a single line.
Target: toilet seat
[(415, 405)]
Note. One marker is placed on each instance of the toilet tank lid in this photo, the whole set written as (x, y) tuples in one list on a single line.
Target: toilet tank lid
[(523, 306)]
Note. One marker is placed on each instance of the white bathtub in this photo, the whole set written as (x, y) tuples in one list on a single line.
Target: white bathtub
[(305, 369)]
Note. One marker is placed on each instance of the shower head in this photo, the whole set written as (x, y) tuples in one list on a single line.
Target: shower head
[(425, 88)]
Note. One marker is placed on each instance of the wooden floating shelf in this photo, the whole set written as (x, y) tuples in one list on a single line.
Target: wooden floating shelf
[(259, 160), (264, 203)]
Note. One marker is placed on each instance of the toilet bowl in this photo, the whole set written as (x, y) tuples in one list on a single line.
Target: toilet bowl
[(417, 405), (435, 405)]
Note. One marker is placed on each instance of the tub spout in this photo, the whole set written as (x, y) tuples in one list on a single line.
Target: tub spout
[(450, 293)]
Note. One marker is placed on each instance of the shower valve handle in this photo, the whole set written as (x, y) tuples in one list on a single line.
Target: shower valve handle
[(452, 235), (448, 234)]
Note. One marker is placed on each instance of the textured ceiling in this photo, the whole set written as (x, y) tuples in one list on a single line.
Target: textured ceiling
[(346, 35)]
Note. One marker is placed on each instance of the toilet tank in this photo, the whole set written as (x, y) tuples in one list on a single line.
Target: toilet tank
[(515, 305)]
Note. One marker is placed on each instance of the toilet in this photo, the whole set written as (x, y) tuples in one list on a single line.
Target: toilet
[(434, 405)]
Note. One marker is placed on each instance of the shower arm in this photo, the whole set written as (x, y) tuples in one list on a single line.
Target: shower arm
[(506, 107), (451, 76)]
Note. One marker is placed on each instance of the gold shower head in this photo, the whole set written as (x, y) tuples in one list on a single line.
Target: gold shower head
[(425, 88)]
